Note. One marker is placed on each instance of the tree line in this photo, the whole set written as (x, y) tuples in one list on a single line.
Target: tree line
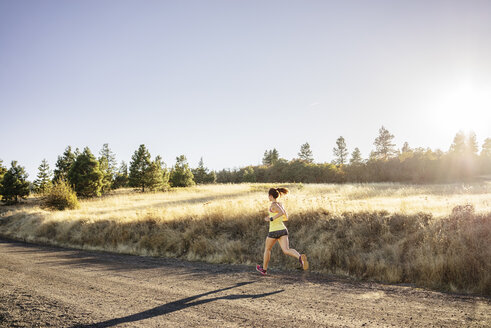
[(89, 176), (386, 163)]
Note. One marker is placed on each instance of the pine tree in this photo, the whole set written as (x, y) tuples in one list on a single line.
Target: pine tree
[(486, 148), (471, 145), (406, 148), (3, 170), (107, 178), (201, 174), (43, 182), (464, 146), (85, 175), (107, 162), (305, 153), (121, 179), (181, 175), (356, 157), (165, 173), (275, 156), (485, 156), (384, 148), (463, 155), (270, 157), (139, 166), (266, 158), (14, 184), (76, 152), (63, 164), (406, 152), (458, 146), (107, 153), (157, 176), (341, 152)]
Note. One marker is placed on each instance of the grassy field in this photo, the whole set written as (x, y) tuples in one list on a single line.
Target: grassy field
[(384, 232)]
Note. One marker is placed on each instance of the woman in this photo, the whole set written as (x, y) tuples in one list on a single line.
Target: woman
[(278, 232)]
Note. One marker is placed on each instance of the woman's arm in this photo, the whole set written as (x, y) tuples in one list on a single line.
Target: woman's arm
[(281, 211)]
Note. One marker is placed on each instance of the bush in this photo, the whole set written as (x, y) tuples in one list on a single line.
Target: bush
[(60, 197)]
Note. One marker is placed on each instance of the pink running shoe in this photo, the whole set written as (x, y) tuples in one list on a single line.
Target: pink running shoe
[(261, 270), (303, 261)]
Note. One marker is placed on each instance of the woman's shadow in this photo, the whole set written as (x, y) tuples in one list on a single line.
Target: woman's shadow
[(178, 305)]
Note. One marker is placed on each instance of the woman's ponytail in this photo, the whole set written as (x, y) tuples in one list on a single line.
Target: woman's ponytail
[(282, 191), (277, 192)]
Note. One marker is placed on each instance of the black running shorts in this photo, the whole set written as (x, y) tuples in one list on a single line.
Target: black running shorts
[(277, 234)]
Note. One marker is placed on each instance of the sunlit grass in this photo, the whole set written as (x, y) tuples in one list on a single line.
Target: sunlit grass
[(127, 205), (387, 232)]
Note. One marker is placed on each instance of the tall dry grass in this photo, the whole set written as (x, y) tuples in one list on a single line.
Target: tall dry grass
[(385, 232)]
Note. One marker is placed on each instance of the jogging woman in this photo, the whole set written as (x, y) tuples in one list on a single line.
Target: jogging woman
[(278, 232)]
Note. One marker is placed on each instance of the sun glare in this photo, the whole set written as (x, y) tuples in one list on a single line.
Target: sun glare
[(466, 107)]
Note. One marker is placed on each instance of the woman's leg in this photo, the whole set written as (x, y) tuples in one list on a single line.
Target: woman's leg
[(267, 251), (286, 248)]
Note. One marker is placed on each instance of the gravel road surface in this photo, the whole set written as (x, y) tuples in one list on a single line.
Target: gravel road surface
[(44, 286)]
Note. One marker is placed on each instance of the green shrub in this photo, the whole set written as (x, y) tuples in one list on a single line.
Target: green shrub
[(60, 197)]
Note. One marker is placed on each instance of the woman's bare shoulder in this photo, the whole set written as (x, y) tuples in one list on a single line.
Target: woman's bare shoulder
[(274, 206), (278, 205)]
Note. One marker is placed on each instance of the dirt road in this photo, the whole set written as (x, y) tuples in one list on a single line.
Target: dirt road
[(44, 286)]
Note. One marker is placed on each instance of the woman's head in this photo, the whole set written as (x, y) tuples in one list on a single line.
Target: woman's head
[(277, 192)]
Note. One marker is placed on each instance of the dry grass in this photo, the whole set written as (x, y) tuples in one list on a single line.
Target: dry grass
[(385, 232)]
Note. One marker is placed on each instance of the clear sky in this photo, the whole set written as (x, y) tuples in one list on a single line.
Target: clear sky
[(227, 80)]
